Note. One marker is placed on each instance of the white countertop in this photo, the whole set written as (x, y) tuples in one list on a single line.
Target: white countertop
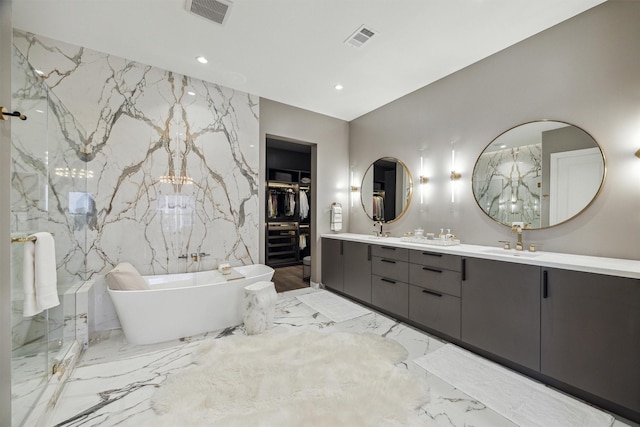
[(590, 264)]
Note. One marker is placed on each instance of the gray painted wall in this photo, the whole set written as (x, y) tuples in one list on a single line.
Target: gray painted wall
[(583, 71), (331, 157), (5, 235)]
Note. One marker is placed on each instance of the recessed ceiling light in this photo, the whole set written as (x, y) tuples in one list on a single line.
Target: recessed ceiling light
[(338, 87), (201, 59), (39, 72), (192, 93), (503, 146)]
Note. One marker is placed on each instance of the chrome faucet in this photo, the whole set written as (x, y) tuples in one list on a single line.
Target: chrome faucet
[(518, 229)]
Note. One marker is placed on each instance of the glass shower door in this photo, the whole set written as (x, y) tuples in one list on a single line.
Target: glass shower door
[(32, 347)]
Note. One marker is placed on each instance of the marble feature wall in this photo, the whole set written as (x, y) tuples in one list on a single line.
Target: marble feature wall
[(507, 184), (170, 163)]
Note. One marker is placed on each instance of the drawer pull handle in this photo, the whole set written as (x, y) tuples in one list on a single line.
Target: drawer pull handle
[(431, 293), (388, 281), (388, 260), (389, 248), (431, 254), (432, 269)]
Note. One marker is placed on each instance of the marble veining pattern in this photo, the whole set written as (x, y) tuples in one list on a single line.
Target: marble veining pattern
[(507, 184), (152, 164), (114, 381)]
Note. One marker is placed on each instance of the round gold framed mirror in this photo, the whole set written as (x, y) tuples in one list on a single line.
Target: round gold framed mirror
[(386, 190), (538, 174)]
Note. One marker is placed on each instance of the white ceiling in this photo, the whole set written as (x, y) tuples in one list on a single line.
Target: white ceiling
[(293, 51)]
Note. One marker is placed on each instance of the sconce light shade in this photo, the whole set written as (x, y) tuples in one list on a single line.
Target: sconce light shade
[(423, 179), (455, 175), (638, 153), (355, 188)]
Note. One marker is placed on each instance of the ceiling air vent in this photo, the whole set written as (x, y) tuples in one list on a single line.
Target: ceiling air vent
[(360, 36), (213, 10)]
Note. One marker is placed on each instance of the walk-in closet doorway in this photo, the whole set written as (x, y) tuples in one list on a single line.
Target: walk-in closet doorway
[(289, 215)]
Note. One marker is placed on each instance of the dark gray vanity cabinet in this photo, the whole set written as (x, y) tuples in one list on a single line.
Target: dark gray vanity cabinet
[(434, 291), (390, 274), (346, 268), (500, 309), (332, 264), (591, 333), (357, 270)]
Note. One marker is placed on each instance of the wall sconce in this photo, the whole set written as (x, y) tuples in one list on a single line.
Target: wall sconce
[(638, 153), (422, 179), (354, 188), (455, 176)]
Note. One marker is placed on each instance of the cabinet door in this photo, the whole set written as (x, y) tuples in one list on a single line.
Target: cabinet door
[(332, 263), (591, 334), (357, 270), (501, 309), (390, 295), (435, 310)]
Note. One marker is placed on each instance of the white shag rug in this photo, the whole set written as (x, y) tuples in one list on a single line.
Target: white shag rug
[(303, 379)]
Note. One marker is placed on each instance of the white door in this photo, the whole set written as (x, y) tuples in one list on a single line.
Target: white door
[(575, 178)]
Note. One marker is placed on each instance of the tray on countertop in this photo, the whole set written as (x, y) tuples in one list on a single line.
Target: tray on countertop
[(425, 241)]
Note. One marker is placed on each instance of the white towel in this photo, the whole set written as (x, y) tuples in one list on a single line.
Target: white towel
[(39, 275), (304, 205)]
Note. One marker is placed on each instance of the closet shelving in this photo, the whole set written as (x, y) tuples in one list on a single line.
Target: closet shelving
[(287, 226)]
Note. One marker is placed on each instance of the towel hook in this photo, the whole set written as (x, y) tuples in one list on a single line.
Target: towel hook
[(4, 114)]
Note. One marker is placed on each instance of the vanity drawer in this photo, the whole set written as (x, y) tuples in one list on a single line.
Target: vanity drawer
[(390, 295), (390, 268), (440, 312), (435, 259), (389, 252), (436, 279)]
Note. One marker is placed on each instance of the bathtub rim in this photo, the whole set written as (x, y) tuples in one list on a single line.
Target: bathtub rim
[(267, 270)]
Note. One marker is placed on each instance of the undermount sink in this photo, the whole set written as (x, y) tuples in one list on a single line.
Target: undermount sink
[(512, 252)]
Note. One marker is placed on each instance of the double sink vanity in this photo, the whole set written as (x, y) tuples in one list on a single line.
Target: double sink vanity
[(570, 321)]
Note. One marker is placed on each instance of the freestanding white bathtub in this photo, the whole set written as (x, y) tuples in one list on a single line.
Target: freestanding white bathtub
[(181, 305)]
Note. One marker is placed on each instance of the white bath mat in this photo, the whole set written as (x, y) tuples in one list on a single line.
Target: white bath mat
[(332, 306), (305, 379), (515, 397)]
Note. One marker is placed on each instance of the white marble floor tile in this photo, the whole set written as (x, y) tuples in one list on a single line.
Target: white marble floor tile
[(114, 381)]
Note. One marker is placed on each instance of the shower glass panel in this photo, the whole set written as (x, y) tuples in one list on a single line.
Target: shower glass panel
[(42, 182)]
